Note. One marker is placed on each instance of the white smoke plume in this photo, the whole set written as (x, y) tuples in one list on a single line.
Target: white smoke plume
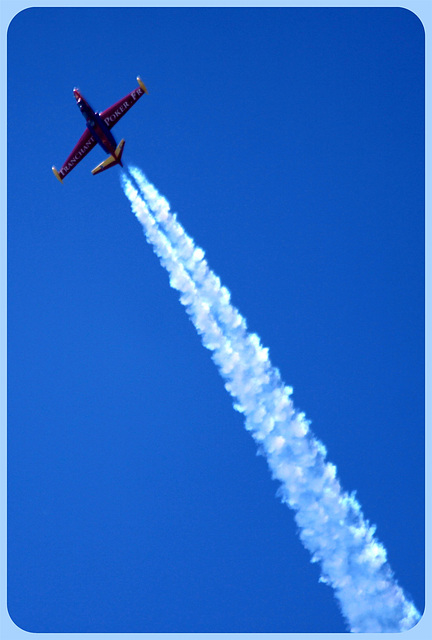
[(331, 524)]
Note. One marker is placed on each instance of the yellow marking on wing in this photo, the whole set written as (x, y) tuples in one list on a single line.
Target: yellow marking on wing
[(106, 163), (142, 85), (57, 175)]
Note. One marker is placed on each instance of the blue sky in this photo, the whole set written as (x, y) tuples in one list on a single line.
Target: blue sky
[(291, 143)]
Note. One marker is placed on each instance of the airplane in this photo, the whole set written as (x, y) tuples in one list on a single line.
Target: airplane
[(98, 132)]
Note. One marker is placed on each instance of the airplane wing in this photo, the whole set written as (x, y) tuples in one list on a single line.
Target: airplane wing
[(113, 114), (80, 150)]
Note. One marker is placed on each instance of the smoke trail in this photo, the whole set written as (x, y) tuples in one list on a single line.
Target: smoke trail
[(331, 524)]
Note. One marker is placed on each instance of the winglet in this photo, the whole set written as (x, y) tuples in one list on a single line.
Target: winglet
[(57, 175), (142, 85)]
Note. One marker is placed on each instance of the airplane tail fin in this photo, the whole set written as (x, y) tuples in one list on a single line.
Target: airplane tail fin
[(119, 152), (112, 160)]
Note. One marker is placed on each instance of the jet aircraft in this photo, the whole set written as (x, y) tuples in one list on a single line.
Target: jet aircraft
[(98, 132)]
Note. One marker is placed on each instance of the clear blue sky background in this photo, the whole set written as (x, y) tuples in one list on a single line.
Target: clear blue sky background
[(291, 144)]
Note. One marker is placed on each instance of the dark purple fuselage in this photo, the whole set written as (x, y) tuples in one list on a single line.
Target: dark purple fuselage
[(97, 126)]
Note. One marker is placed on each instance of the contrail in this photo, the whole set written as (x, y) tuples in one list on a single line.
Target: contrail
[(331, 524)]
